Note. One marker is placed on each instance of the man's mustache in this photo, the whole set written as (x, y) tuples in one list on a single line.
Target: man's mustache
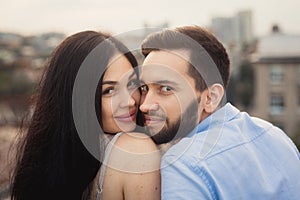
[(155, 114)]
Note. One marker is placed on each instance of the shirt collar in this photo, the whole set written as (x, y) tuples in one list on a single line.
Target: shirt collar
[(222, 115)]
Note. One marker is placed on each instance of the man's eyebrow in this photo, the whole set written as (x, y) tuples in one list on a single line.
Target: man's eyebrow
[(161, 82), (166, 82)]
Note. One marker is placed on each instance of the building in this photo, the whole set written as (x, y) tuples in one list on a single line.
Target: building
[(244, 27), (277, 81), (235, 33), (236, 30)]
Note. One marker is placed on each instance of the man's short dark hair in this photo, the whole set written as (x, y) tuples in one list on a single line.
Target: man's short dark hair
[(208, 47)]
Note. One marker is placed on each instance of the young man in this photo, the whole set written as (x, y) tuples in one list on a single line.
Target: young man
[(219, 152)]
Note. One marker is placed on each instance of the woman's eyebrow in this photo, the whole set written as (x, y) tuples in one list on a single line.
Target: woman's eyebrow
[(116, 82), (109, 82)]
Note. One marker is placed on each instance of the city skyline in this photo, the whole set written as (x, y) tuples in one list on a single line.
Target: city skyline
[(34, 16)]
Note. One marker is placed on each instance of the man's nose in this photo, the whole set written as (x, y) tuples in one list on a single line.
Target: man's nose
[(149, 102)]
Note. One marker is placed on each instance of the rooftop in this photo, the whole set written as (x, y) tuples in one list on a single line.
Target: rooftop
[(278, 45)]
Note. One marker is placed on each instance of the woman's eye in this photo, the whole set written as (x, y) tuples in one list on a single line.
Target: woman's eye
[(108, 91)]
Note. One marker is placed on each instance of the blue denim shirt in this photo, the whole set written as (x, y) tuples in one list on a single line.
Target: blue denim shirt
[(231, 155)]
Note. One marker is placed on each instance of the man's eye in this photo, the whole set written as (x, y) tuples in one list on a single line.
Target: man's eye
[(166, 89), (144, 88)]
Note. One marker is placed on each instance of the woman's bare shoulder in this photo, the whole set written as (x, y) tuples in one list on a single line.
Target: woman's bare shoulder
[(136, 142), (134, 153), (133, 169)]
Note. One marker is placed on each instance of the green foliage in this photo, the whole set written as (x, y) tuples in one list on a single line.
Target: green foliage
[(296, 138), (244, 84)]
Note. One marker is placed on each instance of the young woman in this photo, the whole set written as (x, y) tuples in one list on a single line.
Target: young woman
[(52, 162)]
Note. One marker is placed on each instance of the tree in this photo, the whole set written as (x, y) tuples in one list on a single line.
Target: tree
[(244, 85)]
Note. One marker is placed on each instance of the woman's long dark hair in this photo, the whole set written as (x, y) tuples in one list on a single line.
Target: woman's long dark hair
[(51, 161)]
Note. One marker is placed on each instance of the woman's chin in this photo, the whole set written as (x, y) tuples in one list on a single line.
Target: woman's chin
[(127, 127)]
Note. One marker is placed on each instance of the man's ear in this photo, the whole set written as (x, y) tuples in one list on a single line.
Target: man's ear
[(213, 97)]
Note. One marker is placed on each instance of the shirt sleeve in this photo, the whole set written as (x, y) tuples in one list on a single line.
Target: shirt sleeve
[(180, 180)]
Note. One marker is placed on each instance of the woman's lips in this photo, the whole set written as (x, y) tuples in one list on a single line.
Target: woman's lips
[(127, 117)]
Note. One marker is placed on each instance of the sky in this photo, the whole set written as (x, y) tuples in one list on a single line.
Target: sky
[(30, 17)]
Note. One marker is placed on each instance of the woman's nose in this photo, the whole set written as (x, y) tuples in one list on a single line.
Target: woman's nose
[(127, 100)]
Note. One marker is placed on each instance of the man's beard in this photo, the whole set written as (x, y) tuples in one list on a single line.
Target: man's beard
[(182, 126)]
